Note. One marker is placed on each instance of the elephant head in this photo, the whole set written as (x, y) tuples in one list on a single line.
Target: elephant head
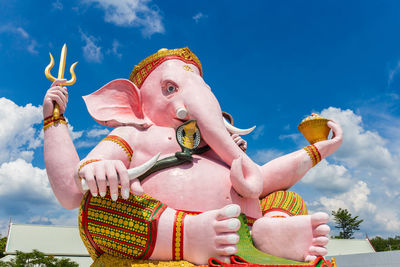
[(167, 89)]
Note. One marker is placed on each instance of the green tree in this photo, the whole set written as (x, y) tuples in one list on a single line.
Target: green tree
[(3, 241), (37, 258), (346, 223), (381, 244)]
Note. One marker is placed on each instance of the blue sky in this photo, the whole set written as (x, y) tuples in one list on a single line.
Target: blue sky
[(270, 64)]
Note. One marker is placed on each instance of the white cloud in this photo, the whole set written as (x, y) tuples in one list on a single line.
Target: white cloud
[(17, 134), (258, 132), (92, 138), (97, 132), (384, 122), (57, 5), (114, 49), (263, 156), (363, 150), (8, 28), (329, 177), (199, 16), (132, 13), (25, 192), (294, 137), (74, 135), (21, 132), (25, 40), (60, 217), (86, 143), (379, 215), (91, 51), (389, 219), (393, 72), (32, 47), (20, 178), (21, 32), (356, 199)]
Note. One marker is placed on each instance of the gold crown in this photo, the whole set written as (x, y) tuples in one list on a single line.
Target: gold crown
[(147, 65)]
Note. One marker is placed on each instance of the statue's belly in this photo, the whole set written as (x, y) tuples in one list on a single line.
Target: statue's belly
[(201, 186)]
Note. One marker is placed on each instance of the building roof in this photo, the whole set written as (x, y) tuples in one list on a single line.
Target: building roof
[(349, 246), (54, 240), (376, 259), (64, 241), (59, 241)]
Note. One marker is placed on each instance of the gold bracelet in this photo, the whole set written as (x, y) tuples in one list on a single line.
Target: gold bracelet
[(313, 153), (83, 164), (47, 119), (50, 121), (177, 238)]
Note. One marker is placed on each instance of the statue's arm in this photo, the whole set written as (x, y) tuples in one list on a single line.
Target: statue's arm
[(60, 155), (283, 172), (62, 161), (106, 165)]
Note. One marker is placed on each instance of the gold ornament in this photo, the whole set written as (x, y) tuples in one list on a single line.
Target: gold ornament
[(56, 111), (147, 65), (314, 128)]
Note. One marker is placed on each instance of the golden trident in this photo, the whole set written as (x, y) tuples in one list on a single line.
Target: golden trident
[(56, 111)]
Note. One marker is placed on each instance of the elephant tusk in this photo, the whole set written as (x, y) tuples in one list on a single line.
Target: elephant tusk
[(132, 173), (181, 113), (233, 130), (142, 169)]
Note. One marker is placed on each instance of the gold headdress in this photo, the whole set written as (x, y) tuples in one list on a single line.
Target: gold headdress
[(147, 65)]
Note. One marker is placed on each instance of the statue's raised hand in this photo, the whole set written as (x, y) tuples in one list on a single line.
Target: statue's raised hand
[(240, 142), (327, 147), (250, 186), (56, 94), (103, 173)]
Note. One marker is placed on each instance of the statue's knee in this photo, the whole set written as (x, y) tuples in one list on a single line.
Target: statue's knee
[(283, 203), (121, 228)]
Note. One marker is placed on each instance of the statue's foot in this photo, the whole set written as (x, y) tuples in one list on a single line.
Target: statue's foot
[(300, 238), (211, 234)]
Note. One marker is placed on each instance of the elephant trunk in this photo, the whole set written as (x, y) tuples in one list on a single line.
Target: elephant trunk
[(205, 109), (245, 174)]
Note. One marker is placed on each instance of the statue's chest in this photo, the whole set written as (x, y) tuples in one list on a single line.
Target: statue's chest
[(150, 143)]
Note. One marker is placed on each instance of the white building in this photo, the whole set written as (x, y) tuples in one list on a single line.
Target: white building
[(64, 241), (58, 241)]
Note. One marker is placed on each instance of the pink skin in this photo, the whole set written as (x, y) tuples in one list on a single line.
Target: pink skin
[(304, 237), (60, 167), (298, 163), (240, 142), (146, 119), (218, 235)]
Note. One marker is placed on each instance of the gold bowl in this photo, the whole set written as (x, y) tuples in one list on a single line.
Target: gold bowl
[(314, 128)]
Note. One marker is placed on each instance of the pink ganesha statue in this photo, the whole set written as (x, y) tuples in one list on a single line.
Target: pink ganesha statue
[(172, 181)]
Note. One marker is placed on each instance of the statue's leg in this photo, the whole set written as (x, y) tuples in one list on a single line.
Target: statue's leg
[(283, 204), (142, 228), (287, 231)]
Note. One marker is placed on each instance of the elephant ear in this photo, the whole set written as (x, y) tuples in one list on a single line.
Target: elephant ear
[(117, 103)]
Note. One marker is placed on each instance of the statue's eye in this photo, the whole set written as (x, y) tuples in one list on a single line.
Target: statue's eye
[(171, 88)]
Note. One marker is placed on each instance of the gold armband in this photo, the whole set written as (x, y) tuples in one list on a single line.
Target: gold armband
[(122, 143), (50, 121), (313, 153)]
